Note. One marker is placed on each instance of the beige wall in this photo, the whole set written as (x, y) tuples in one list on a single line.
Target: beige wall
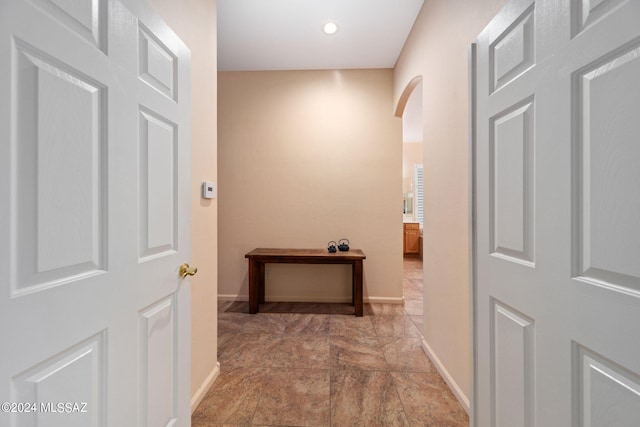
[(437, 50), (195, 23), (306, 157)]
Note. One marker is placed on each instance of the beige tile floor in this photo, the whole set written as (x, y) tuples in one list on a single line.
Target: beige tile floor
[(317, 365)]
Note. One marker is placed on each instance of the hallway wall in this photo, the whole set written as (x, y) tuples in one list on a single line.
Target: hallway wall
[(307, 157), (437, 49)]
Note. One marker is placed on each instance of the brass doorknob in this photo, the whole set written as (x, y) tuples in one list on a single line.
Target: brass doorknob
[(185, 270)]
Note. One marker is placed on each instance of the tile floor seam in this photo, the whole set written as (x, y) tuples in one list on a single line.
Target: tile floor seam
[(259, 397), (395, 387)]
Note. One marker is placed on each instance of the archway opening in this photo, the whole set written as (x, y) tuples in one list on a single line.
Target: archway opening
[(411, 110)]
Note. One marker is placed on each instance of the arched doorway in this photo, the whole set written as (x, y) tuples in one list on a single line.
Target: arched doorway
[(410, 109)]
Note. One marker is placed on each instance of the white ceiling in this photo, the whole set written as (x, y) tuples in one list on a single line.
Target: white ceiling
[(287, 34)]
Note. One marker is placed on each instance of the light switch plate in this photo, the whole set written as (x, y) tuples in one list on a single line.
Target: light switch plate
[(208, 190)]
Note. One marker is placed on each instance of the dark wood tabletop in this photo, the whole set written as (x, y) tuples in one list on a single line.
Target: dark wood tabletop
[(305, 255)]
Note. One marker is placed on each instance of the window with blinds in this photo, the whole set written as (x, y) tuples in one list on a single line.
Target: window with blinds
[(419, 195)]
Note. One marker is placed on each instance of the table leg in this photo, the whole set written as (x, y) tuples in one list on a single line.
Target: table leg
[(254, 285), (261, 276), (353, 284), (357, 287)]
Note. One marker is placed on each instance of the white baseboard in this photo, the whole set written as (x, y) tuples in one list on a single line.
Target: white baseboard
[(457, 392), (204, 388), (232, 297), (374, 300), (384, 300)]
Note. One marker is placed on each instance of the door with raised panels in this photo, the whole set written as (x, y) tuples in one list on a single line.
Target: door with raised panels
[(556, 91), (94, 215)]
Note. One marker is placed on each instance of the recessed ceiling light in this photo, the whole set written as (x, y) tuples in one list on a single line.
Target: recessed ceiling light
[(330, 28)]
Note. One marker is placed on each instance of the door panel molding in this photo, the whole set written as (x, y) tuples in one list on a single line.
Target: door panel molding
[(511, 169), (512, 367), (158, 360), (605, 393), (607, 233), (512, 53), (68, 377), (59, 191)]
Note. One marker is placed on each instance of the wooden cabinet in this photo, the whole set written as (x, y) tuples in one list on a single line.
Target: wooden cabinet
[(411, 238)]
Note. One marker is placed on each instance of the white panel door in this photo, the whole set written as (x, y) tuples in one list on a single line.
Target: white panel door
[(556, 155), (94, 215)]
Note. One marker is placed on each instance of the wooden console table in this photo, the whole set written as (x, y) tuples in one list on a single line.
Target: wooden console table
[(260, 256)]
